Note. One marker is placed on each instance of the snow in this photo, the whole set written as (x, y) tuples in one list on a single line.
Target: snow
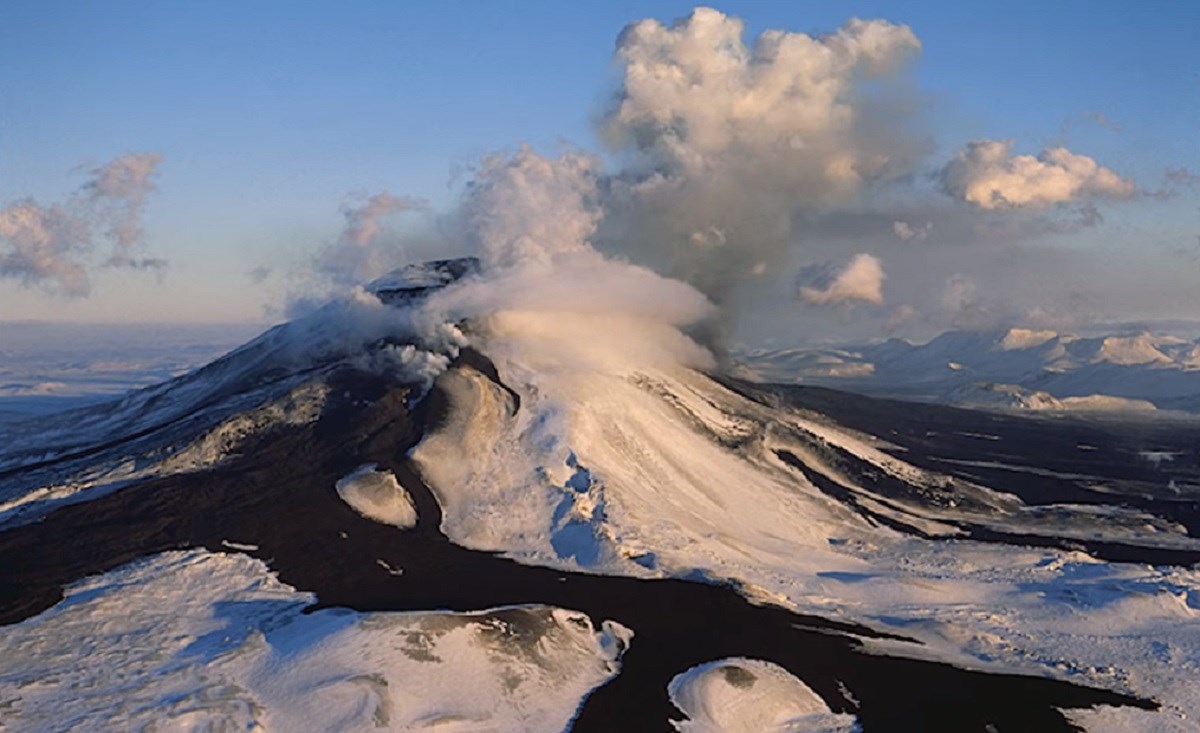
[(603, 450), (202, 641), (378, 496), (751, 696), (418, 277), (1024, 338), (1011, 396), (1157, 457), (505, 479), (668, 473), (1106, 719), (37, 492)]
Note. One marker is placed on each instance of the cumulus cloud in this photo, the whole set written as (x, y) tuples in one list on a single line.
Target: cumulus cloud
[(361, 252), (54, 246), (910, 233), (724, 143), (986, 174), (693, 92), (859, 279)]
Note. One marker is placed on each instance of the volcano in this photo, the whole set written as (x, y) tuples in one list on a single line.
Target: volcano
[(372, 518)]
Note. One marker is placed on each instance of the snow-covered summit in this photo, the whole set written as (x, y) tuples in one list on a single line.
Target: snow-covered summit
[(419, 279)]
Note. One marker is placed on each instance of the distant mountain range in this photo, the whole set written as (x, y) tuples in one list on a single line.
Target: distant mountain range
[(1016, 368)]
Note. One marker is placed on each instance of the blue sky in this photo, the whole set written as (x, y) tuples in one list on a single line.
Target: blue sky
[(270, 115)]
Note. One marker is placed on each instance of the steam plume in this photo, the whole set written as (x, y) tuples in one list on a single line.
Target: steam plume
[(361, 252)]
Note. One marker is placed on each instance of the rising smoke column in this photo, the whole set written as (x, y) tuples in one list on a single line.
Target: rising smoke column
[(361, 252)]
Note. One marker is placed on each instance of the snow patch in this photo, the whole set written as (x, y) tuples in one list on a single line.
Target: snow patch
[(378, 496), (202, 641), (740, 695)]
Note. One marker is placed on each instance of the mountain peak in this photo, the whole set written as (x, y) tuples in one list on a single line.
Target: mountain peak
[(419, 279), (1024, 338)]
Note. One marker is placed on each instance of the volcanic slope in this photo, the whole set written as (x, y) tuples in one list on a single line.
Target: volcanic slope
[(911, 566)]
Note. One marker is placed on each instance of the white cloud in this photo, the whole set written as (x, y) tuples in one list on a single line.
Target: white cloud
[(860, 279), (909, 233), (54, 246), (45, 246), (545, 293), (986, 174), (694, 91)]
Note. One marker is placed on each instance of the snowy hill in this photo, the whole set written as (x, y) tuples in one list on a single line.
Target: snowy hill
[(1048, 370), (464, 503)]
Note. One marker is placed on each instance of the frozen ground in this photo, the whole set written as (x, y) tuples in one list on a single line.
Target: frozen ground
[(204, 641)]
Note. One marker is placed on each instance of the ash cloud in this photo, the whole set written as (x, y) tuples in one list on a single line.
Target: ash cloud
[(724, 143), (55, 246)]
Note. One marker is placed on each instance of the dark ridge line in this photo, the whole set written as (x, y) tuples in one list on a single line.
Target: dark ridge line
[(279, 495), (1107, 551), (1185, 513), (844, 495)]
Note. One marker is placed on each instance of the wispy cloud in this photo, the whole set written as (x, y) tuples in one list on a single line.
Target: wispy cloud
[(54, 246)]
